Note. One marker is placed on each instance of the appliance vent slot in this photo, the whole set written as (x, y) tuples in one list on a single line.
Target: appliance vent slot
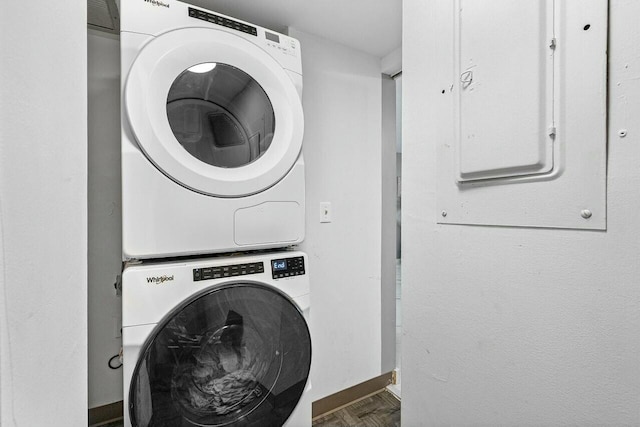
[(102, 15)]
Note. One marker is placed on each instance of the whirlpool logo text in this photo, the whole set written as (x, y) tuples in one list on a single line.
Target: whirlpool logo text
[(157, 280), (157, 3)]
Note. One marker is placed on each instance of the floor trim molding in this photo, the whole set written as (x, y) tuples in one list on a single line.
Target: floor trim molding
[(342, 398), (103, 414)]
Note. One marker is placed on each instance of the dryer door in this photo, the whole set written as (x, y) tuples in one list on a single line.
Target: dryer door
[(214, 112), (237, 354)]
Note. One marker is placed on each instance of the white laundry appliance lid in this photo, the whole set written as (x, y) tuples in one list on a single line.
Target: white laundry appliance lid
[(214, 112), (234, 354)]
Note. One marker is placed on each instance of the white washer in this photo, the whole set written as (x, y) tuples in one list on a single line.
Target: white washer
[(217, 341), (212, 128)]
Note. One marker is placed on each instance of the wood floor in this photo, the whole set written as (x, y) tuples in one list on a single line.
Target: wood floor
[(379, 410)]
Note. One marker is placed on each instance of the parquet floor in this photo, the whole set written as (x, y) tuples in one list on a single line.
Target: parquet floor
[(379, 410)]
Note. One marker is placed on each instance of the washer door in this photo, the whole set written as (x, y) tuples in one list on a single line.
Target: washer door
[(214, 112), (237, 354)]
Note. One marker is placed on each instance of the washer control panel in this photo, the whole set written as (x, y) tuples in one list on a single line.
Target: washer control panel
[(287, 267), (233, 270)]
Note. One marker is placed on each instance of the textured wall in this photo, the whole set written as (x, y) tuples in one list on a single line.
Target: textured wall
[(43, 214), (342, 107), (518, 326)]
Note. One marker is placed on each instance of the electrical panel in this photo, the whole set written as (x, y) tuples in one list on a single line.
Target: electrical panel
[(505, 97), (528, 95)]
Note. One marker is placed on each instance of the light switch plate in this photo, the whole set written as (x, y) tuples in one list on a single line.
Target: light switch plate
[(325, 212)]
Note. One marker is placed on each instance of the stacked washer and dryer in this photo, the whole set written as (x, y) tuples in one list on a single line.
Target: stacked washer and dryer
[(215, 316)]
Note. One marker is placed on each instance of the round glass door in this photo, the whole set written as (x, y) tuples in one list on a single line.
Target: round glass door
[(214, 112), (236, 354), (220, 115)]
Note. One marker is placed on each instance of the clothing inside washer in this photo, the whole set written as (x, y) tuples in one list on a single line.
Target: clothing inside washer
[(220, 115), (222, 374)]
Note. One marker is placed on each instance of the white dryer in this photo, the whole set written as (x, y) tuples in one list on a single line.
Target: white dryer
[(212, 128), (218, 341)]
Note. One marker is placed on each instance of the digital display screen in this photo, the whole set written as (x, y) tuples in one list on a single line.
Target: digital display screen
[(279, 264), (272, 37)]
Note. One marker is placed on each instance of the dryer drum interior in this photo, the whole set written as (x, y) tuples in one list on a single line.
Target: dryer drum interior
[(220, 115), (237, 354)]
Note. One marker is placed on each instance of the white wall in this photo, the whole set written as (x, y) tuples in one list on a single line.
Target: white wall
[(342, 149), (43, 214), (105, 231), (514, 326)]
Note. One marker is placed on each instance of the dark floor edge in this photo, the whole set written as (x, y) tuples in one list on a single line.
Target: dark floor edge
[(106, 413), (334, 401)]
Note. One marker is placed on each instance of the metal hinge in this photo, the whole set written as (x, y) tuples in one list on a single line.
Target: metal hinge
[(118, 285)]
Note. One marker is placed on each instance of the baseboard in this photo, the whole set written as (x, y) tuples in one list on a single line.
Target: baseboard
[(103, 414), (342, 398)]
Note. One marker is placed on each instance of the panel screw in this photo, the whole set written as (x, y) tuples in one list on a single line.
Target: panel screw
[(622, 133), (444, 213), (586, 213)]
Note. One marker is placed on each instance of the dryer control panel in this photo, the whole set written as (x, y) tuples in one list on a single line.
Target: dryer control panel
[(223, 21), (287, 267), (277, 44)]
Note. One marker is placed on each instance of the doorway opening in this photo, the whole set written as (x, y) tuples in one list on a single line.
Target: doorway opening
[(392, 226)]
